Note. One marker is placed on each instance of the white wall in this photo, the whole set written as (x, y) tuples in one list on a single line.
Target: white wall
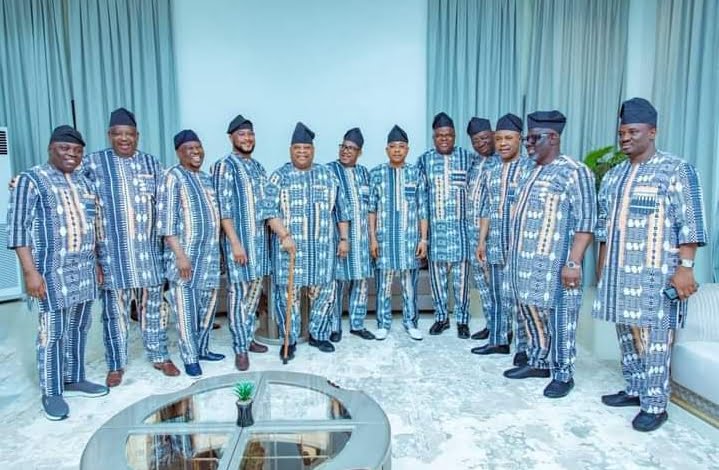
[(333, 65)]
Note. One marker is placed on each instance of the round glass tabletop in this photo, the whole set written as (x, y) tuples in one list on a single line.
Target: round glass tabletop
[(301, 421)]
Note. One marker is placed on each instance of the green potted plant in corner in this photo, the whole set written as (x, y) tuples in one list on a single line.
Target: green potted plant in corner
[(244, 391)]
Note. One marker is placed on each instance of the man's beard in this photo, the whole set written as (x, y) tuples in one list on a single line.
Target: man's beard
[(243, 152)]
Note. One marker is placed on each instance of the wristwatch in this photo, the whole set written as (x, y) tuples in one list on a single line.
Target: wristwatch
[(572, 265), (686, 263)]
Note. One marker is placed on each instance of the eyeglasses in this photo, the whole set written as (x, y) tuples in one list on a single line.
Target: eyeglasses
[(534, 138), (349, 147)]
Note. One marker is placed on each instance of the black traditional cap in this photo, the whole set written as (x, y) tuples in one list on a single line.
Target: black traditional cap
[(122, 117), (547, 119), (477, 125), (185, 135), (239, 123), (355, 135), (302, 135), (638, 111), (397, 134), (442, 120), (67, 134), (510, 122)]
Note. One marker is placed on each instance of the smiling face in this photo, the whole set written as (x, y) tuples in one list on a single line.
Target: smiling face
[(65, 156), (123, 140), (349, 153), (483, 143), (637, 140), (302, 155), (507, 144), (397, 153), (191, 155), (243, 141), (444, 140)]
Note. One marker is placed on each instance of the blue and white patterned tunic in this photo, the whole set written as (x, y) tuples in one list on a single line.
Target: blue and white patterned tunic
[(398, 198), (240, 184), (187, 209), (500, 184), (308, 202), (354, 183), (446, 179), (475, 199), (645, 212), (129, 250), (556, 201), (53, 214)]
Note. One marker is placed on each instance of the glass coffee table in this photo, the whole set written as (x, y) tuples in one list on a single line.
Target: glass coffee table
[(302, 421)]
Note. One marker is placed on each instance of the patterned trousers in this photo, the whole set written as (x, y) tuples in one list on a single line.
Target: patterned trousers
[(480, 282), (358, 290), (61, 340), (504, 311), (116, 318), (408, 280), (646, 353), (552, 332), (321, 297), (438, 272), (195, 312), (242, 301)]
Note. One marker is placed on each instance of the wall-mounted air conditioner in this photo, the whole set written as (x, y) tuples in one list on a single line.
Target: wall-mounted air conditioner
[(10, 274)]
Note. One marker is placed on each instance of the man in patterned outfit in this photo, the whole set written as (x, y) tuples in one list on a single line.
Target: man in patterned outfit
[(482, 137), (239, 182), (445, 169), (353, 271), (189, 221), (554, 217), (129, 250), (51, 227), (398, 232), (651, 222), (301, 202), (500, 182)]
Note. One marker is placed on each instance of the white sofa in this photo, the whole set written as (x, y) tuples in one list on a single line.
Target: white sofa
[(695, 358)]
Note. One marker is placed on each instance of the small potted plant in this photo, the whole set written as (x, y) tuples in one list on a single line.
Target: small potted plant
[(244, 390)]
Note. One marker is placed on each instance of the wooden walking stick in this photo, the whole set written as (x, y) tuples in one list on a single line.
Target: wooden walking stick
[(288, 309)]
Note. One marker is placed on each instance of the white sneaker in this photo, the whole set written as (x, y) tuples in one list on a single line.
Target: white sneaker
[(381, 334), (414, 333)]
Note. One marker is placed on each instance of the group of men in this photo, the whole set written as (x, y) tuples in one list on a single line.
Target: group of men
[(516, 225)]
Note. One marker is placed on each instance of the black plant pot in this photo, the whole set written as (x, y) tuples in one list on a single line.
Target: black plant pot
[(244, 414)]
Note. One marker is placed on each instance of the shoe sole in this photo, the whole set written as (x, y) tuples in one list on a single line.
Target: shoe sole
[(76, 393), (620, 405), (53, 418)]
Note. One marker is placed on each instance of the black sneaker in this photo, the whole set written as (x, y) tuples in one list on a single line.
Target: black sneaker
[(85, 389), (438, 327), (526, 372), (364, 333), (463, 331), (322, 345), (55, 407)]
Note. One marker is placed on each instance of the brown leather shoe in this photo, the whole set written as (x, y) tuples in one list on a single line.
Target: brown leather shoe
[(167, 368), (242, 361), (114, 378), (258, 348)]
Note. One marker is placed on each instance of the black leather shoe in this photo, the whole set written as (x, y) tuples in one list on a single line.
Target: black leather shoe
[(212, 357), (481, 334), (463, 331), (489, 349), (336, 336), (438, 327), (364, 333), (322, 345), (558, 389), (620, 399), (526, 372), (290, 351), (647, 422), (520, 359)]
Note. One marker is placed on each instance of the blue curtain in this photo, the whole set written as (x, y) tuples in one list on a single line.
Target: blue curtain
[(103, 54), (686, 94)]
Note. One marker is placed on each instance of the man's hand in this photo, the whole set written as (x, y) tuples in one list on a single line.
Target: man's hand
[(239, 254), (12, 184), (481, 252), (374, 248), (288, 244), (683, 281), (421, 251), (184, 267), (35, 284), (571, 277), (343, 248), (99, 275)]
